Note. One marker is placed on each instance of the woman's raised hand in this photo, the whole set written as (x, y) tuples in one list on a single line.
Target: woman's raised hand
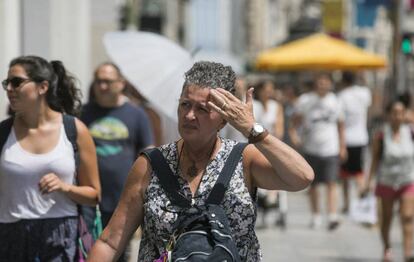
[(237, 113)]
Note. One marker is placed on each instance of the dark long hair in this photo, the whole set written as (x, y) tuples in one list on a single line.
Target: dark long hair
[(63, 94)]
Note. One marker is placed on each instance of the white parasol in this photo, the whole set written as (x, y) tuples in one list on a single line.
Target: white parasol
[(154, 64)]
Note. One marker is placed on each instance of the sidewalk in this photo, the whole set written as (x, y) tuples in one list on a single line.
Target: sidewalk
[(350, 242)]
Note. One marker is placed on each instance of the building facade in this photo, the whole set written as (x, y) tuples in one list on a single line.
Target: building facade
[(235, 30)]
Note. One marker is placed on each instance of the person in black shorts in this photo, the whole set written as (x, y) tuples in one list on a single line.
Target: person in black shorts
[(355, 101), (352, 168)]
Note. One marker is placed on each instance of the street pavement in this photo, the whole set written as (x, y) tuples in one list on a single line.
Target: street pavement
[(350, 242)]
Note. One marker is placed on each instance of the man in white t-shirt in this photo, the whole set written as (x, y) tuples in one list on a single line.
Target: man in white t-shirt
[(321, 141), (355, 101)]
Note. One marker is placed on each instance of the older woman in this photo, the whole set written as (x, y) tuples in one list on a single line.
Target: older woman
[(206, 105)]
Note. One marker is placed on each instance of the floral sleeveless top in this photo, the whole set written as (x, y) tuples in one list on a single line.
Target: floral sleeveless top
[(240, 207)]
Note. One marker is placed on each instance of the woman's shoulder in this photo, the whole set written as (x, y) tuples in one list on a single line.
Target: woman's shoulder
[(169, 151), (228, 145), (81, 127), (168, 146)]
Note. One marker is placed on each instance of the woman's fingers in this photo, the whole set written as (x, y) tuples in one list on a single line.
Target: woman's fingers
[(249, 96), (224, 99), (219, 110), (227, 95), (217, 98), (53, 187), (234, 111), (49, 183), (224, 103)]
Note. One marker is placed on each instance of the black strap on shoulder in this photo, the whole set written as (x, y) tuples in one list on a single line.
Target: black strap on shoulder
[(167, 179), (222, 183), (72, 134), (5, 128), (170, 183)]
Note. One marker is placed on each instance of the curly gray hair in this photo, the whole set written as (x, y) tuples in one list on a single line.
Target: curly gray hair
[(211, 75)]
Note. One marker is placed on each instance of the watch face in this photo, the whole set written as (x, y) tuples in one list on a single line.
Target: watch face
[(257, 129)]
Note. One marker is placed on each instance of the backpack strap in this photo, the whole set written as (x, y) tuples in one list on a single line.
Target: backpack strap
[(5, 128), (72, 135), (222, 183), (167, 179)]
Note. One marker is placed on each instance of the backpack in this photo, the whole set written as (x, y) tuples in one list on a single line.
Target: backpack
[(85, 239), (201, 233)]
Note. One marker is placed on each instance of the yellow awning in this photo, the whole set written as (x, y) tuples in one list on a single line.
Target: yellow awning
[(318, 52)]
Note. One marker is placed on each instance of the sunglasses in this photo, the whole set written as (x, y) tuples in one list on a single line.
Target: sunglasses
[(14, 82)]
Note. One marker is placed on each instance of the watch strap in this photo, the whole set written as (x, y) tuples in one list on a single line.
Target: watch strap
[(254, 139)]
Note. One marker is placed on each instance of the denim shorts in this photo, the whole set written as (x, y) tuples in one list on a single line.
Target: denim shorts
[(38, 240)]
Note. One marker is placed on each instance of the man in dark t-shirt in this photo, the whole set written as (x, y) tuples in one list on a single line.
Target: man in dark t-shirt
[(120, 131), (119, 134)]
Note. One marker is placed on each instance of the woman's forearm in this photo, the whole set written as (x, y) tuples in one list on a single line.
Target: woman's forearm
[(102, 252), (84, 195), (288, 164)]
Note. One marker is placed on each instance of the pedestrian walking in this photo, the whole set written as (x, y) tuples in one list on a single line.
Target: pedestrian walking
[(38, 196), (355, 101), (321, 140), (206, 104), (119, 130), (393, 166), (268, 112)]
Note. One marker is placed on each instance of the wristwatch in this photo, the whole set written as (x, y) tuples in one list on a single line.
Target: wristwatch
[(257, 133)]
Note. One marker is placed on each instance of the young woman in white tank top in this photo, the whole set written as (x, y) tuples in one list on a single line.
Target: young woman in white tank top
[(38, 197)]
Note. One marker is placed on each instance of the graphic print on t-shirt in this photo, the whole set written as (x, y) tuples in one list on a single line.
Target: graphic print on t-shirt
[(108, 129), (322, 115)]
